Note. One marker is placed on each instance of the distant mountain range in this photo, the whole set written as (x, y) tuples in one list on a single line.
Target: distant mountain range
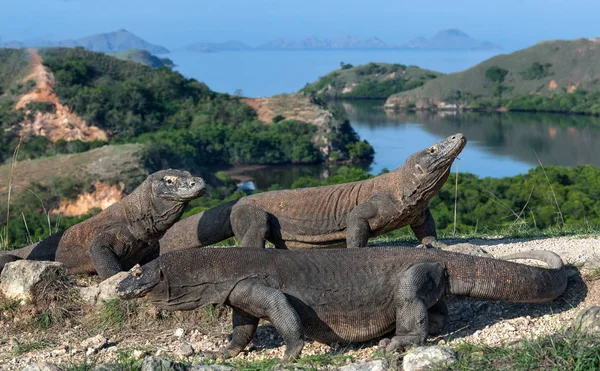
[(121, 40), (207, 47), (116, 41), (349, 42), (451, 39)]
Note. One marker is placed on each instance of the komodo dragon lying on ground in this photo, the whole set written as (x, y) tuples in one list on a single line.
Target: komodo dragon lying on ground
[(121, 235), (337, 295), (329, 216)]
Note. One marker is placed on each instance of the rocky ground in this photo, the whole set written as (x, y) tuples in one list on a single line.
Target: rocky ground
[(93, 336)]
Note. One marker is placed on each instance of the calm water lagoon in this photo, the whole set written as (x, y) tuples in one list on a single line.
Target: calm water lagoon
[(499, 144)]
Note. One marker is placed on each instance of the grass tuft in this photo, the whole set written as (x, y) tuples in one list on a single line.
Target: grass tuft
[(558, 352), (31, 346), (115, 312), (592, 275)]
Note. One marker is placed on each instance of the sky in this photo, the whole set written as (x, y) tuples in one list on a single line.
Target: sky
[(174, 23)]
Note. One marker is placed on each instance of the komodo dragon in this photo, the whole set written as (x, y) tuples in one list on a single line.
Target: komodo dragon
[(329, 216), (121, 235), (337, 295)]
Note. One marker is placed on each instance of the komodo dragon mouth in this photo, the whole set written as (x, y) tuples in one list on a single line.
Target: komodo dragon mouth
[(444, 153)]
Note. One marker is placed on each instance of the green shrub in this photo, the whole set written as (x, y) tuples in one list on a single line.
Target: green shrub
[(536, 71)]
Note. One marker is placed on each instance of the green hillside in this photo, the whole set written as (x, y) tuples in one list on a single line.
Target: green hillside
[(369, 81), (558, 76), (187, 124), (13, 67), (143, 57)]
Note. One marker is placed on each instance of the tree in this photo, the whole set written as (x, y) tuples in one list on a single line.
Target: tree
[(496, 74), (345, 66)]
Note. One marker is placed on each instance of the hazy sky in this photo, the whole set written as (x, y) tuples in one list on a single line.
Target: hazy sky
[(174, 23)]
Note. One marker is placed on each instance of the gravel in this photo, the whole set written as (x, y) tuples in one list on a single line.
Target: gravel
[(471, 321)]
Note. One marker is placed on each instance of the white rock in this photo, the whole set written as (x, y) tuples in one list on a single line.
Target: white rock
[(160, 363), (41, 366), (103, 291), (179, 332), (588, 321), (20, 278), (428, 358), (185, 350), (375, 365), (201, 367)]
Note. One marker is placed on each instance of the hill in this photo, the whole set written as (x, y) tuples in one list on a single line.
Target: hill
[(451, 39), (370, 81), (115, 41), (59, 191), (143, 57), (555, 76), (78, 95)]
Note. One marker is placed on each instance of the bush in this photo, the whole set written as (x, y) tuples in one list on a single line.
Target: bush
[(217, 144), (360, 151), (537, 71), (278, 118)]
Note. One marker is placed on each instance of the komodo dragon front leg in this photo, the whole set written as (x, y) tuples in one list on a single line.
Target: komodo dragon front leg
[(110, 252), (424, 229), (103, 256), (368, 217), (417, 293), (252, 300)]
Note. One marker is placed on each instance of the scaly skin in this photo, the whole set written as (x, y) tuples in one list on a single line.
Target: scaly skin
[(330, 216), (337, 295), (123, 234)]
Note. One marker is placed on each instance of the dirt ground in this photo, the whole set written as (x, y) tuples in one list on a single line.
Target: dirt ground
[(145, 330)]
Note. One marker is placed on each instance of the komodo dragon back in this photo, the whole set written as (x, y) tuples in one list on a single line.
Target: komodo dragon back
[(342, 215)]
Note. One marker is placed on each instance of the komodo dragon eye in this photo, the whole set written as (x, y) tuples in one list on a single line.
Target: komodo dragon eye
[(136, 271), (170, 179), (432, 150)]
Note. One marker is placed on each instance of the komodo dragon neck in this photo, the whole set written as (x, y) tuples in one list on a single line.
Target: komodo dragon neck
[(149, 216), (404, 185)]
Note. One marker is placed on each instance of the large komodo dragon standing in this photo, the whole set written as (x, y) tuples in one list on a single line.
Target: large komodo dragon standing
[(121, 235), (329, 216), (337, 295)]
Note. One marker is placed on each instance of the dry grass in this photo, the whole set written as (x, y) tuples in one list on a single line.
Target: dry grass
[(106, 162)]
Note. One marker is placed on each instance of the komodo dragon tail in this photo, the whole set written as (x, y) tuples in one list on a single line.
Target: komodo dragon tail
[(202, 229), (499, 279)]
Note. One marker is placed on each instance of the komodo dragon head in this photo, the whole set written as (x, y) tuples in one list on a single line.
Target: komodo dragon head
[(140, 280), (184, 279), (160, 200), (431, 166), (176, 185)]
